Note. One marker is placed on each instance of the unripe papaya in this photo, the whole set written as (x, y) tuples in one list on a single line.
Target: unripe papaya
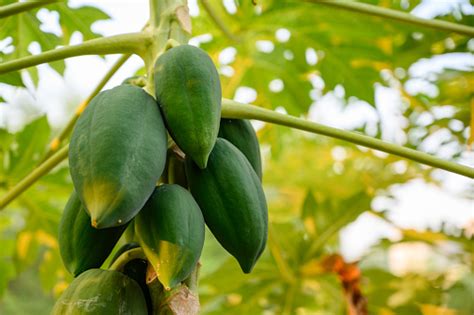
[(232, 201), (117, 154), (99, 292), (240, 133), (81, 246), (136, 270), (188, 91), (170, 229)]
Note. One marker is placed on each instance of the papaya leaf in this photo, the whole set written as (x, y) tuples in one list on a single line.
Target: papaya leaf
[(344, 48), (26, 28), (28, 147), (12, 78)]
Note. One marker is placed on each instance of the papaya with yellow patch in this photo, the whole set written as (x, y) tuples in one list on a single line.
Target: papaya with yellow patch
[(81, 246), (170, 230), (117, 154)]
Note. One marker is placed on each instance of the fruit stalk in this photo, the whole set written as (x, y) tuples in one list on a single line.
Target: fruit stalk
[(122, 260)]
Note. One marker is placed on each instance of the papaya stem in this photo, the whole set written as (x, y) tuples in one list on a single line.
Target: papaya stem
[(396, 15), (19, 7), (32, 177), (232, 109), (56, 142), (125, 43), (125, 257), (192, 280)]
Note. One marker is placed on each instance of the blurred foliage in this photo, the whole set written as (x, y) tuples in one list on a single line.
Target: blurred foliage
[(21, 30), (315, 186)]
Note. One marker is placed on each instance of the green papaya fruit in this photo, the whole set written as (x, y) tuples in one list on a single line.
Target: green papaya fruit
[(170, 229), (99, 292), (81, 246), (232, 201), (240, 133), (188, 91), (117, 153)]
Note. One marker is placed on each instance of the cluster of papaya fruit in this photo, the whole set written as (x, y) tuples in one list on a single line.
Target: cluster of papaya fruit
[(128, 174)]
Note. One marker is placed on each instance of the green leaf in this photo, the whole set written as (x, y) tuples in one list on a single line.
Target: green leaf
[(28, 148), (12, 78), (25, 29), (78, 20), (351, 48)]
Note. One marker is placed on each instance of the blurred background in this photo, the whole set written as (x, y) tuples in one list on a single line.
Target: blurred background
[(349, 225)]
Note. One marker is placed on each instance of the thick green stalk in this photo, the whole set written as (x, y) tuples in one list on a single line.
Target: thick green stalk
[(124, 258), (169, 19), (119, 44), (35, 175), (369, 9), (56, 142), (232, 109), (19, 7)]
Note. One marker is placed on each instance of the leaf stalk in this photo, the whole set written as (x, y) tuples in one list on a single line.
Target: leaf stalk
[(20, 7), (232, 109), (396, 15), (119, 44)]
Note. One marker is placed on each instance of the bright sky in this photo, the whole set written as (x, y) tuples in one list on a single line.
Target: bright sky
[(416, 204)]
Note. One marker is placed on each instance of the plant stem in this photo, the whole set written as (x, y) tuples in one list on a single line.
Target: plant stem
[(289, 298), (125, 43), (232, 109), (369, 9), (32, 177), (166, 20), (56, 142), (124, 258), (282, 265), (217, 20), (19, 7)]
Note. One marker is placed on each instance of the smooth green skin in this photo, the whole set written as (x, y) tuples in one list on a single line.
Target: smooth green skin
[(101, 292), (170, 229), (240, 133), (188, 91), (83, 247), (117, 154), (232, 201)]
